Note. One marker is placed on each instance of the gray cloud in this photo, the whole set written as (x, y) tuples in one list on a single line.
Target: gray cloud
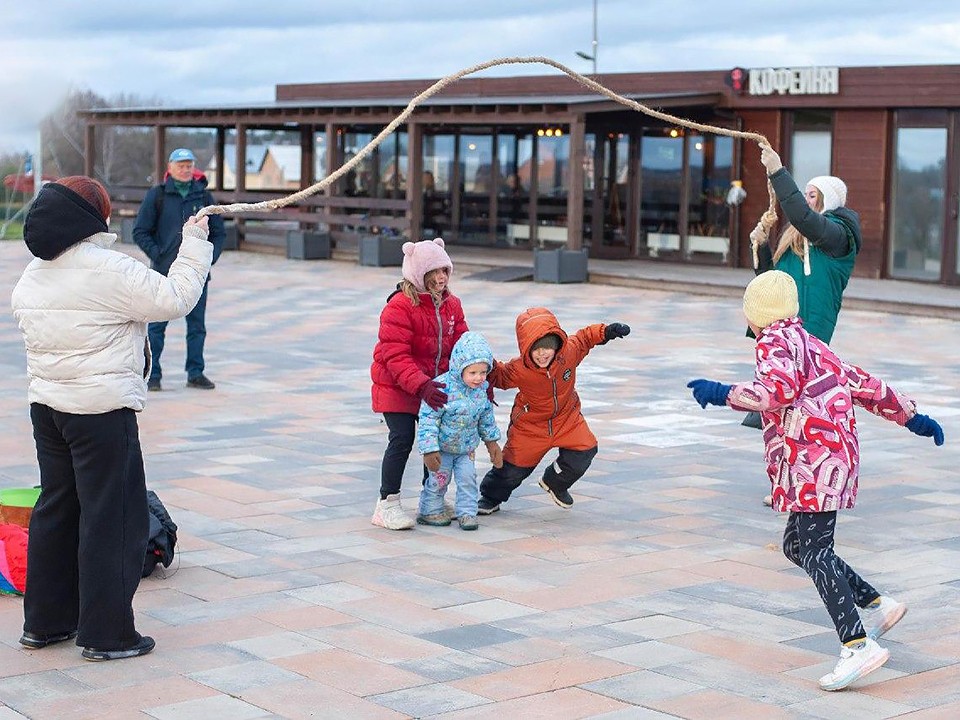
[(220, 52)]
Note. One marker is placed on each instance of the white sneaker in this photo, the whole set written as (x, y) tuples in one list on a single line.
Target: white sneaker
[(878, 620), (390, 514), (854, 663)]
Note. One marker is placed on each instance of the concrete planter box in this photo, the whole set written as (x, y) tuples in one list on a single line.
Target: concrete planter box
[(126, 230), (307, 245), (231, 240), (560, 266), (381, 251)]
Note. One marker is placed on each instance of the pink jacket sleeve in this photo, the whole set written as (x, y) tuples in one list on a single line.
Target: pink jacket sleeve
[(874, 395), (776, 384)]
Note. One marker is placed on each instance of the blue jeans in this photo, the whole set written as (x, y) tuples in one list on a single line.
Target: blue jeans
[(196, 335), (460, 468)]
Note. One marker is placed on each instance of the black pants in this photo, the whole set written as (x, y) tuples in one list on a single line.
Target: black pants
[(499, 483), (403, 433), (808, 543), (88, 532)]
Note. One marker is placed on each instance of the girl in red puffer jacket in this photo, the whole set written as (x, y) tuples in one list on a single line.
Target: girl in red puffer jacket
[(419, 326)]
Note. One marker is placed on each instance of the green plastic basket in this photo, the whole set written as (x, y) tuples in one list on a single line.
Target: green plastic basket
[(16, 505)]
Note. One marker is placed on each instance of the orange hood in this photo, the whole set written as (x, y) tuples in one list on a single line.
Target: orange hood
[(533, 324)]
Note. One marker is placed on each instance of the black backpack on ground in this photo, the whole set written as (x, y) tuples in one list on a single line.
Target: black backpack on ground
[(163, 535)]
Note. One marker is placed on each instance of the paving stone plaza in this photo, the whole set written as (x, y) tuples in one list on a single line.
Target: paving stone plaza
[(661, 594)]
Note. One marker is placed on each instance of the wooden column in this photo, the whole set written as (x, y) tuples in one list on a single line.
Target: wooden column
[(221, 144), (307, 154), (240, 167), (89, 150), (495, 178), (575, 191), (332, 164), (414, 179), (159, 157), (240, 162), (635, 196), (534, 180)]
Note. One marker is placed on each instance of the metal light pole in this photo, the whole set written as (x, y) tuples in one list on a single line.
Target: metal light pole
[(594, 44)]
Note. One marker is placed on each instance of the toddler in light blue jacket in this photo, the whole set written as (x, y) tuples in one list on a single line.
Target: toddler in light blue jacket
[(447, 437)]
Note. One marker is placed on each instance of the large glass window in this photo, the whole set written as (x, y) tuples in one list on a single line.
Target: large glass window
[(614, 187), (272, 162), (320, 170), (661, 169), (919, 191), (553, 181), (710, 161), (477, 184), (392, 159), (438, 159), (360, 180), (514, 152), (811, 144)]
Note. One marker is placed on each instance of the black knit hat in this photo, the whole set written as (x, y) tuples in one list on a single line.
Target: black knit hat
[(550, 340)]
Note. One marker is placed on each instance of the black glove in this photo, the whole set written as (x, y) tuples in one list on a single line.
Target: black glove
[(431, 392), (615, 330), (709, 392), (926, 426)]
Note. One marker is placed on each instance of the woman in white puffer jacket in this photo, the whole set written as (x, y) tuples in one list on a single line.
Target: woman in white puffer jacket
[(83, 309)]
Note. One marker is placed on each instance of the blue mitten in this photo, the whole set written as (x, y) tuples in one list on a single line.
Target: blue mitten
[(709, 392), (926, 426)]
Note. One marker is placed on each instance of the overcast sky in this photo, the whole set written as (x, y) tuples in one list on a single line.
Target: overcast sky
[(233, 51)]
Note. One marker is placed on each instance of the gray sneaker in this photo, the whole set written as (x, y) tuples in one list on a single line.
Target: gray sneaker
[(560, 496), (467, 522)]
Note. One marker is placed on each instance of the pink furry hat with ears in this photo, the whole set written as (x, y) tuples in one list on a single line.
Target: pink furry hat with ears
[(421, 257)]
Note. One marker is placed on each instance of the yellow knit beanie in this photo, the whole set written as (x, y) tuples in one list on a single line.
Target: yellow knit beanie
[(769, 297)]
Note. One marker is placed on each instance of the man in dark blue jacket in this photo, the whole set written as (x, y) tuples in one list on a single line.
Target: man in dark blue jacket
[(157, 231)]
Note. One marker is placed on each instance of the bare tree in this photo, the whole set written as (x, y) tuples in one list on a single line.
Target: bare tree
[(124, 154)]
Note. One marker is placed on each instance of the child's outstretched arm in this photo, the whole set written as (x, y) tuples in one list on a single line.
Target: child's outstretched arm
[(585, 339), (504, 374), (775, 385), (874, 395)]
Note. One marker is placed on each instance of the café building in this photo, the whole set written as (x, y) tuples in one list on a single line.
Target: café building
[(538, 161)]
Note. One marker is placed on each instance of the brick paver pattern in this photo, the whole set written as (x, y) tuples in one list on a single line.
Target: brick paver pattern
[(662, 593)]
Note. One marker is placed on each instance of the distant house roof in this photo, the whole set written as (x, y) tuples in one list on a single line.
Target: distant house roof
[(256, 154), (288, 158)]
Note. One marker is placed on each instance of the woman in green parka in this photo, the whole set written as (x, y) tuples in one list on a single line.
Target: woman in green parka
[(817, 249), (819, 246)]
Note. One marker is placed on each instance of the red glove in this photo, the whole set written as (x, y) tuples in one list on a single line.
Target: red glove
[(431, 392)]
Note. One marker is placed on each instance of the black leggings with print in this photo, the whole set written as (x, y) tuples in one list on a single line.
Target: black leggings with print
[(808, 543)]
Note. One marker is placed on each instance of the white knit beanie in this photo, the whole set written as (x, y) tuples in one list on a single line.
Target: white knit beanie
[(833, 189), (769, 297)]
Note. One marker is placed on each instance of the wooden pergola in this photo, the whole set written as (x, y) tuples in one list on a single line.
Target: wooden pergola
[(493, 102)]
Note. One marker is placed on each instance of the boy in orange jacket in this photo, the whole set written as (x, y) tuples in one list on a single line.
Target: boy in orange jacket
[(546, 411)]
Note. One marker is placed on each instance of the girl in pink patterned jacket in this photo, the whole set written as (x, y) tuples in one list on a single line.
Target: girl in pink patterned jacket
[(806, 397)]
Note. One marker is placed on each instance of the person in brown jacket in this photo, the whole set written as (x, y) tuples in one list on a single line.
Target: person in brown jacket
[(546, 411)]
